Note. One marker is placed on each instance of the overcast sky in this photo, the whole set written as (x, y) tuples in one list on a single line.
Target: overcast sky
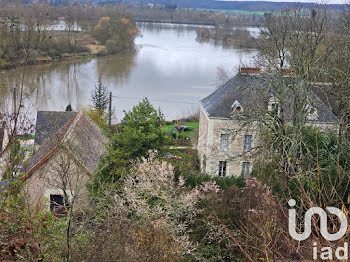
[(305, 1)]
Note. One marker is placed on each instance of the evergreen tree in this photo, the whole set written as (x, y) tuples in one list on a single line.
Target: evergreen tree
[(100, 96), (69, 108), (140, 130)]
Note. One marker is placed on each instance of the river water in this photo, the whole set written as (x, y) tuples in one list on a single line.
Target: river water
[(170, 67)]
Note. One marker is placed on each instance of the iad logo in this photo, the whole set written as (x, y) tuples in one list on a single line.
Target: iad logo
[(323, 222), (326, 252)]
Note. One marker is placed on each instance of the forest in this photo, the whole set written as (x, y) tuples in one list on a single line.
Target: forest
[(251, 6)]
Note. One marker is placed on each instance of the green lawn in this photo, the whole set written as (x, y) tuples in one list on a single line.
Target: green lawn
[(26, 137), (193, 126), (192, 133)]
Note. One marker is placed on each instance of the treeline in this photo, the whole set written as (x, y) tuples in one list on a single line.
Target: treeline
[(144, 12), (240, 38), (28, 34), (251, 6)]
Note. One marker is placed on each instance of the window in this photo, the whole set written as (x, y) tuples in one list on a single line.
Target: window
[(224, 142), (274, 108), (247, 143), (236, 107), (57, 204), (312, 113), (246, 169), (222, 168)]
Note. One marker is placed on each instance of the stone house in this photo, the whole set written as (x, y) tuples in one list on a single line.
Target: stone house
[(69, 147), (226, 140)]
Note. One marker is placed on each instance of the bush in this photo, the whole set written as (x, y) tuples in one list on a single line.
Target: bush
[(246, 224), (58, 47), (116, 32), (193, 180), (27, 235)]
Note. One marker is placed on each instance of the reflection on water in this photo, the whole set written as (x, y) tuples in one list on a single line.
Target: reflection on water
[(168, 66), (116, 69)]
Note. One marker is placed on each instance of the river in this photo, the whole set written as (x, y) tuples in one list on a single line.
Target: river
[(170, 67)]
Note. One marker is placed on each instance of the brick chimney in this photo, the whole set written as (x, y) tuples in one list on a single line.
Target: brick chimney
[(288, 71), (250, 71)]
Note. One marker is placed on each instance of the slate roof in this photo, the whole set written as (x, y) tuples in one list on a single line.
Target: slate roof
[(328, 94), (80, 137), (242, 88), (48, 123), (253, 93)]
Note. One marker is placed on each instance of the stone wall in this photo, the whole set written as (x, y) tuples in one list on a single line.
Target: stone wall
[(48, 179), (209, 151)]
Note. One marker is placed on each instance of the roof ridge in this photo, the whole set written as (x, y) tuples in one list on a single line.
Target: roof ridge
[(66, 125), (72, 126), (47, 142)]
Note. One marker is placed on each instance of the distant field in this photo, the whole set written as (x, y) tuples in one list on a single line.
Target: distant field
[(243, 12)]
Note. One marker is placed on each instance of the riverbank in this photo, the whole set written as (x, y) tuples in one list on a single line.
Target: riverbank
[(65, 46), (173, 21), (239, 38), (23, 44)]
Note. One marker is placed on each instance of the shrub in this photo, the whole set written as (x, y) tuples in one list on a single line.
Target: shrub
[(116, 32), (194, 180)]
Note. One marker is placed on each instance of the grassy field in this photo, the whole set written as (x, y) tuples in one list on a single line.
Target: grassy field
[(193, 125), (191, 133)]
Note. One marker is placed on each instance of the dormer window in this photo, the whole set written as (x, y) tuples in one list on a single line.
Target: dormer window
[(274, 106), (236, 107), (312, 113)]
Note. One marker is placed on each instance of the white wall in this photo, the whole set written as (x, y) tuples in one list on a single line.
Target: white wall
[(210, 130)]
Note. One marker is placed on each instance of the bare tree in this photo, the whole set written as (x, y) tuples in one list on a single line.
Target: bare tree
[(70, 180)]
